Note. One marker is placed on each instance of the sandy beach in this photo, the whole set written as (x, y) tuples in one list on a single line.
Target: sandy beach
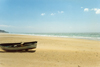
[(51, 52)]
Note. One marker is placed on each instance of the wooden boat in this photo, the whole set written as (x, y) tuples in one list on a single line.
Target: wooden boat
[(18, 46)]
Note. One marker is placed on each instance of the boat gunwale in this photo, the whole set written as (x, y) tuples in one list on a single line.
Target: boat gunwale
[(17, 43)]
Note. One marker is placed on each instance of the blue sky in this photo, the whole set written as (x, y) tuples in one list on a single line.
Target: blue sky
[(50, 16)]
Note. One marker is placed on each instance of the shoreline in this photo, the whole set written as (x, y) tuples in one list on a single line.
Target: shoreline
[(84, 38)]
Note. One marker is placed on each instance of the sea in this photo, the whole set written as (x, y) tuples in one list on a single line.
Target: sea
[(88, 36)]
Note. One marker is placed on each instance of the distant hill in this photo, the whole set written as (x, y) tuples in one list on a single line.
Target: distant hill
[(3, 31)]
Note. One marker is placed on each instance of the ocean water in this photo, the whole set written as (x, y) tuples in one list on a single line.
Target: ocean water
[(89, 36)]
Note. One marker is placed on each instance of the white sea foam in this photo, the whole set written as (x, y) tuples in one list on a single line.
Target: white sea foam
[(90, 36)]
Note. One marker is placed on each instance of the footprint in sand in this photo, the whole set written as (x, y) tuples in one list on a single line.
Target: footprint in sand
[(79, 66), (1, 64)]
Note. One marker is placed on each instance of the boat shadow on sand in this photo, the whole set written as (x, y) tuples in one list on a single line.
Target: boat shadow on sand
[(29, 51)]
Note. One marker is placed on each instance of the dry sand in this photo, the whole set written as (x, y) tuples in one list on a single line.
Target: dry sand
[(51, 52)]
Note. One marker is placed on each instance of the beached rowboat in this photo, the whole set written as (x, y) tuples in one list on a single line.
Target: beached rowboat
[(18, 46)]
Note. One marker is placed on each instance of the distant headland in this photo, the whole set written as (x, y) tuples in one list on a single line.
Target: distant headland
[(3, 31)]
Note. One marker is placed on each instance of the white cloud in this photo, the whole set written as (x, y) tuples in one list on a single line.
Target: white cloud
[(94, 9), (86, 9), (5, 26), (52, 13), (60, 11), (43, 14), (97, 11)]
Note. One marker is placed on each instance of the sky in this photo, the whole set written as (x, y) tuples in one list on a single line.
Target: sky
[(50, 16)]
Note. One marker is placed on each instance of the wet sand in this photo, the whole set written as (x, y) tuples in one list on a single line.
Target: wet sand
[(51, 52)]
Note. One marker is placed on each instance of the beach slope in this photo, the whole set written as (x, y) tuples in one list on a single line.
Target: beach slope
[(51, 52)]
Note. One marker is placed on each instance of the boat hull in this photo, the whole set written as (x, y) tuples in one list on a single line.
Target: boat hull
[(17, 47)]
